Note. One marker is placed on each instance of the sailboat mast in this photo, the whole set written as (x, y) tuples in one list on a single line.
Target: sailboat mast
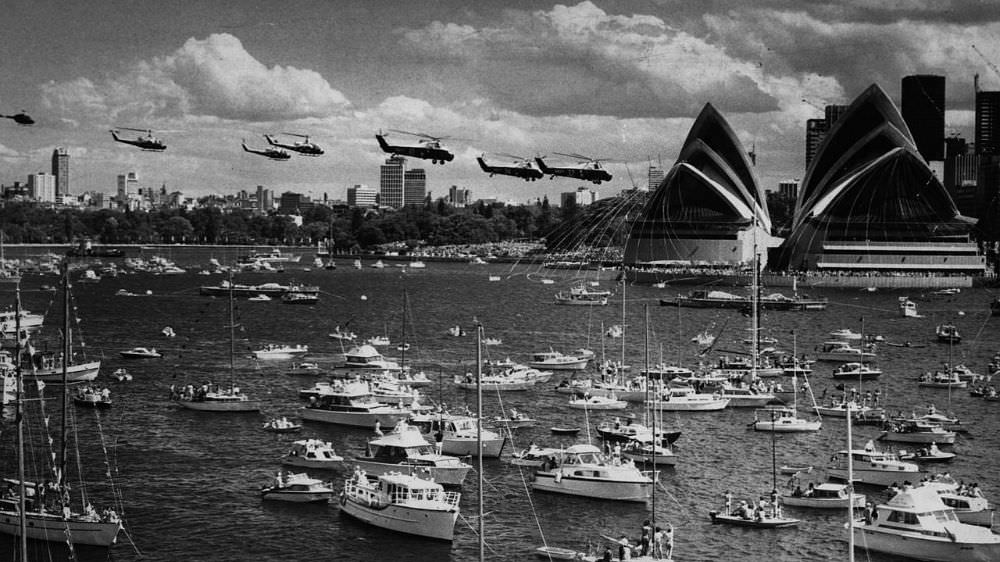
[(232, 335), (19, 416), (622, 366), (850, 488), (479, 435), (645, 313), (754, 303), (65, 384), (402, 339)]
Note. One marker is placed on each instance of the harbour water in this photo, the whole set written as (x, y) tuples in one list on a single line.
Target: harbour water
[(190, 481)]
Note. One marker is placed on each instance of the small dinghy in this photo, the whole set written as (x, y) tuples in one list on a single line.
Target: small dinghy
[(558, 553), (282, 425), (565, 430)]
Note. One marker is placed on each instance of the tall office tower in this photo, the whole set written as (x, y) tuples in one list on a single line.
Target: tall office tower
[(656, 176), (391, 182), (457, 196), (987, 121), (60, 169), (923, 110), (833, 113), (42, 187), (127, 184), (815, 131), (789, 190), (362, 196), (414, 186)]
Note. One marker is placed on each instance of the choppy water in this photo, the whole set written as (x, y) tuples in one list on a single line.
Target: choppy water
[(189, 480)]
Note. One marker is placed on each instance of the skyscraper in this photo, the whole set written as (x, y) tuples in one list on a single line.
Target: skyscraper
[(987, 121), (391, 182), (655, 178), (816, 129), (923, 110), (414, 186), (60, 169)]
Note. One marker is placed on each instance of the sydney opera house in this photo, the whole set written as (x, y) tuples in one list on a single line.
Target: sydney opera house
[(870, 211)]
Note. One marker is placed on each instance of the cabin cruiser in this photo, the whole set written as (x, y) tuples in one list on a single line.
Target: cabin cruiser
[(856, 371), (298, 488), (582, 470), (783, 420), (352, 404), (403, 503), (873, 467), (843, 351), (404, 449), (367, 357), (917, 431), (827, 495), (556, 361), (686, 399), (916, 523), (274, 351), (457, 435), (313, 453)]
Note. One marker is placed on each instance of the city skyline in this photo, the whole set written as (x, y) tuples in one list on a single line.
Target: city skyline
[(617, 80)]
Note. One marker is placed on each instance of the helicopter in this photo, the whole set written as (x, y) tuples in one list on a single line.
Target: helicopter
[(589, 169), (303, 147), (428, 149), (522, 168), (272, 153), (21, 118), (148, 142)]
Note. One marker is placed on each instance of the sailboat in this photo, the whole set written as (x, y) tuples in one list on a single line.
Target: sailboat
[(787, 420), (219, 398), (26, 513)]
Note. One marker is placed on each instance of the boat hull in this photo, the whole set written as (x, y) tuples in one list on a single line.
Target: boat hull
[(353, 419), (298, 497), (698, 406), (766, 523), (316, 464), (593, 488), (52, 528), (81, 372), (941, 439), (822, 503), (233, 406), (923, 547), (467, 447), (433, 524), (884, 478), (778, 427)]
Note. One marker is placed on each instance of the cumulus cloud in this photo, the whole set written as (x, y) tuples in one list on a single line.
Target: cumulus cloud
[(214, 77), (582, 60)]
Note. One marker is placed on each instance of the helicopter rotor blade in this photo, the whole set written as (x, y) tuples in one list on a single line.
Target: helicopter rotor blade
[(297, 135), (405, 132), (133, 129)]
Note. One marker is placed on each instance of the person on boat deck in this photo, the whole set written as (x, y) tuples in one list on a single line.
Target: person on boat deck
[(624, 549), (797, 493), (811, 490), (729, 503), (645, 538), (607, 555)]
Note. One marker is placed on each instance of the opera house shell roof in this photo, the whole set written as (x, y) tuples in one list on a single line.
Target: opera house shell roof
[(868, 187), (704, 209)]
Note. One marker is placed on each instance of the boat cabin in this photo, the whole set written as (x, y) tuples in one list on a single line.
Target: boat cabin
[(314, 450)]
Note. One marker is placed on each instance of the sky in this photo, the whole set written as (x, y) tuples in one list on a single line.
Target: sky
[(621, 80)]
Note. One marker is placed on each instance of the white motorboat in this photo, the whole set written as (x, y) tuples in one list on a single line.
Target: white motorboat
[(783, 420), (277, 352), (917, 431), (838, 409), (827, 495), (856, 371), (876, 468), (216, 398), (378, 341), (29, 321), (403, 503), (968, 502), (305, 368), (941, 379), (342, 335), (846, 334), (282, 425), (92, 397), (508, 379), (535, 456), (298, 488), (457, 435), (141, 353), (649, 453), (582, 470), (610, 402), (557, 361), (405, 450), (260, 298), (367, 357), (916, 523), (844, 352), (926, 454), (685, 399), (352, 404), (313, 453), (745, 396)]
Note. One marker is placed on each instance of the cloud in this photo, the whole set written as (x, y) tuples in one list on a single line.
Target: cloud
[(581, 60), (213, 77)]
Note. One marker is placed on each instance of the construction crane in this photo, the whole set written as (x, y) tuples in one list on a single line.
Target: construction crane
[(992, 66)]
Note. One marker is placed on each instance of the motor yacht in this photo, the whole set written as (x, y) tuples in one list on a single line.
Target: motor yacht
[(582, 470)]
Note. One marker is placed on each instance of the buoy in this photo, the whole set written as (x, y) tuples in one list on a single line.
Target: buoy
[(364, 298)]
